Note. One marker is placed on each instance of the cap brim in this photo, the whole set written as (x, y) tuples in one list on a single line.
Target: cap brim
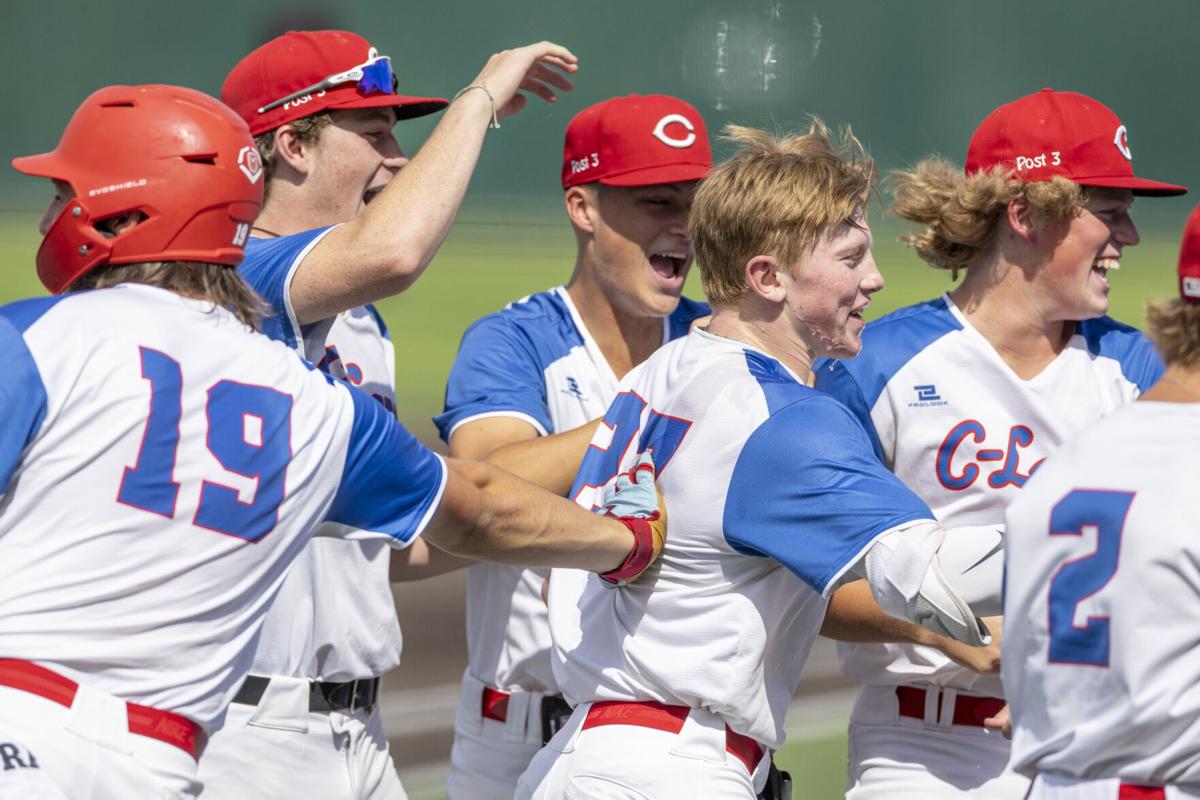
[(406, 107), (1139, 186), (44, 165), (652, 176)]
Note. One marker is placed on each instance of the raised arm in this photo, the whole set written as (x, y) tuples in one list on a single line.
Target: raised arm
[(385, 249)]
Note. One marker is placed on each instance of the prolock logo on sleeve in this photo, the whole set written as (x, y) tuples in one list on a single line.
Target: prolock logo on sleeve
[(1191, 286), (927, 395), (116, 187)]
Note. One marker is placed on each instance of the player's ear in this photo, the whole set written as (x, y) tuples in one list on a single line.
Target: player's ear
[(1020, 219), (582, 205), (292, 151), (764, 279)]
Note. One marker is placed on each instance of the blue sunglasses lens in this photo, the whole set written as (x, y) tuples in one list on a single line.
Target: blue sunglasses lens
[(378, 78)]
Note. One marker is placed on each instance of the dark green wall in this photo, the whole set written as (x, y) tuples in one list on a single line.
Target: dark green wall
[(911, 77)]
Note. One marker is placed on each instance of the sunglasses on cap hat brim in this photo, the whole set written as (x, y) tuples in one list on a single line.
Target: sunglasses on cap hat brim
[(373, 76)]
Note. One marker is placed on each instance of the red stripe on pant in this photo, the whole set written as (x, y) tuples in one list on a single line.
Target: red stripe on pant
[(164, 726), (670, 719)]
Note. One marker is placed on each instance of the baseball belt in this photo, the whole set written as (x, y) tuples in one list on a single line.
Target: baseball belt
[(175, 730), (323, 696), (554, 711), (968, 709), (650, 714)]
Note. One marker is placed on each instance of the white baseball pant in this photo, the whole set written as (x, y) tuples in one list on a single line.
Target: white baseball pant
[(898, 757), (279, 748), (87, 750), (1054, 787), (634, 762)]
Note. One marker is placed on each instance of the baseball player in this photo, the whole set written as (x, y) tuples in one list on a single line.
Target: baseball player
[(550, 363), (681, 682), (347, 220), (964, 395), (162, 464), (1103, 596)]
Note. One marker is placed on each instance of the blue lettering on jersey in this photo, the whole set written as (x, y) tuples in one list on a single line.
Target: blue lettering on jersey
[(956, 479), (249, 432), (661, 437), (1078, 579), (150, 483)]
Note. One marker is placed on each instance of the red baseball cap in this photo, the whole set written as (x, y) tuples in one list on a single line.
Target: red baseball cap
[(1051, 133), (636, 140), (304, 72), (1189, 259)]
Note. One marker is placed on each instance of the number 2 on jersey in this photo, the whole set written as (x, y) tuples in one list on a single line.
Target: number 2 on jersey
[(248, 432), (1076, 580)]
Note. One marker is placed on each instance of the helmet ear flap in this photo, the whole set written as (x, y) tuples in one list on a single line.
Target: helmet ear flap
[(72, 246)]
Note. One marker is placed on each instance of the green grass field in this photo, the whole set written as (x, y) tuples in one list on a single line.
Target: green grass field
[(495, 255)]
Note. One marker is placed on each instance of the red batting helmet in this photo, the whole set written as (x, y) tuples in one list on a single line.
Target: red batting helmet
[(177, 156)]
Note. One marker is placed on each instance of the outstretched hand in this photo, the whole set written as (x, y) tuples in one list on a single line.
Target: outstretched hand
[(536, 68), (634, 500)]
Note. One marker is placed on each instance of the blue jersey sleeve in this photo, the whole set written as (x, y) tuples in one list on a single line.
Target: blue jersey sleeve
[(497, 371), (22, 401), (815, 503), (268, 268), (1140, 361), (391, 482), (685, 315), (834, 379)]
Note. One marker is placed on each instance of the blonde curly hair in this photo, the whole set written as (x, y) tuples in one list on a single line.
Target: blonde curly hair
[(1174, 325), (959, 214)]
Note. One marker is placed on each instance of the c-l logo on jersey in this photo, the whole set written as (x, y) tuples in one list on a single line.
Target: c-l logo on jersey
[(957, 479), (660, 131)]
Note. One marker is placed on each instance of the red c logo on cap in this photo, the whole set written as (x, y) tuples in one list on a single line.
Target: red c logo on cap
[(1121, 140), (660, 131)]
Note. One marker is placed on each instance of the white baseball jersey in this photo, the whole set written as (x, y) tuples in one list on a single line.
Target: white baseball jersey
[(535, 361), (161, 468), (958, 426), (335, 618), (1101, 649), (772, 490)]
